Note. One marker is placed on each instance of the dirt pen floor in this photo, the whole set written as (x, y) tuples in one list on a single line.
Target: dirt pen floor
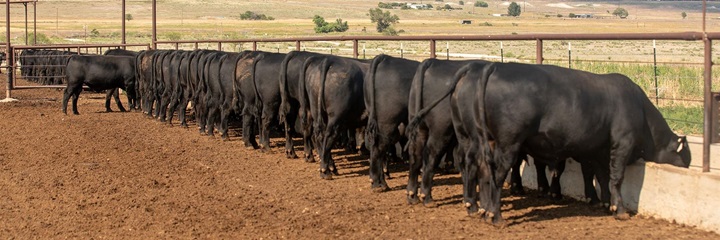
[(121, 175)]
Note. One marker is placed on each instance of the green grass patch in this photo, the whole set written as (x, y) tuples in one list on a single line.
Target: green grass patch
[(684, 119)]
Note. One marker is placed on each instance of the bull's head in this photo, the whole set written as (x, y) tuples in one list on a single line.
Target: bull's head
[(676, 152)]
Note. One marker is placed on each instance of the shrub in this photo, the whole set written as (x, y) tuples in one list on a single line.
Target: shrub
[(249, 15), (321, 26), (514, 9), (481, 4)]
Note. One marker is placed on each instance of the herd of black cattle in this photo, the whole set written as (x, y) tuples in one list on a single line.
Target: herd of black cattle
[(486, 117)]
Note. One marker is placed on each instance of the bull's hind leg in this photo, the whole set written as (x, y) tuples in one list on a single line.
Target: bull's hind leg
[(416, 148), (69, 91), (289, 144), (327, 165), (266, 119), (248, 131), (436, 150), (108, 95), (182, 112), (75, 96), (516, 186), (224, 119), (116, 95), (377, 162)]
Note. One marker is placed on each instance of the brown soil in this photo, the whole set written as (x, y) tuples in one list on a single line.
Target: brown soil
[(121, 175)]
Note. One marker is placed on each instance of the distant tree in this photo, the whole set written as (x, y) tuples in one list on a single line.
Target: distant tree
[(620, 12), (383, 19), (461, 3), (683, 14), (128, 17), (481, 4), (514, 9), (321, 26), (571, 15)]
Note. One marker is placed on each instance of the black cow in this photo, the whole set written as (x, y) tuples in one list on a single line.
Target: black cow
[(556, 113), (246, 93), (430, 130), (387, 87), (98, 73), (116, 92), (177, 96), (144, 63), (290, 92), (334, 93), (211, 92), (267, 93)]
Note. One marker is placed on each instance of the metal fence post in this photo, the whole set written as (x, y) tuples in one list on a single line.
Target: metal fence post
[(539, 51), (355, 49), (655, 73), (707, 125), (10, 55), (297, 45), (401, 51), (502, 58), (219, 46), (447, 51), (569, 55), (254, 46), (432, 48)]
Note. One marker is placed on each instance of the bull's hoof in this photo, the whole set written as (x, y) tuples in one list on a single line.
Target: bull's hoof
[(379, 188), (428, 202), (326, 176), (290, 155), (76, 113), (517, 190), (412, 199), (472, 209), (266, 150), (556, 197), (123, 110), (108, 110), (622, 216)]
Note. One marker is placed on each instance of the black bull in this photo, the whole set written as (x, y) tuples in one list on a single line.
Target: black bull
[(99, 73), (555, 113)]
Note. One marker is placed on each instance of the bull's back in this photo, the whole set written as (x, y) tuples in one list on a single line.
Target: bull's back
[(562, 111)]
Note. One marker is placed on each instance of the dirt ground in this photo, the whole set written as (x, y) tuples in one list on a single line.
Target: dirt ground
[(121, 175)]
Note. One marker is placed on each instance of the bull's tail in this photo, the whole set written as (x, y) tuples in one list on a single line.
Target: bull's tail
[(487, 70), (258, 99), (411, 129), (302, 92), (284, 105), (372, 125), (321, 101)]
